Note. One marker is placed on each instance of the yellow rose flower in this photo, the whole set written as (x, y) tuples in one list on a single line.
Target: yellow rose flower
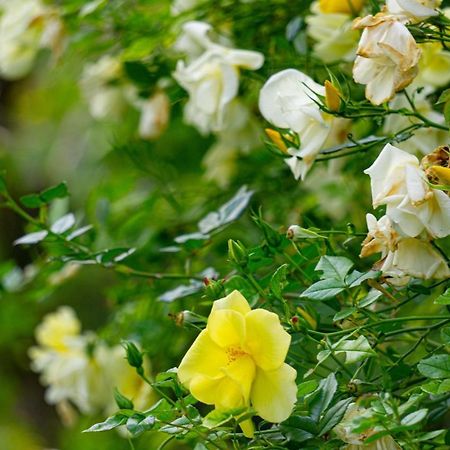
[(341, 6), (238, 360)]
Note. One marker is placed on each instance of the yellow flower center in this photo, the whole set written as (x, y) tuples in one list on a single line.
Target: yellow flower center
[(233, 353)]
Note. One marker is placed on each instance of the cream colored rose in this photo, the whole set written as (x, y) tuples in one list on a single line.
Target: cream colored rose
[(106, 98), (212, 82), (387, 57), (25, 27), (398, 181), (287, 100)]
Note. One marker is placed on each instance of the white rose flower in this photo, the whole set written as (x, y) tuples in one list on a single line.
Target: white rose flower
[(25, 27), (413, 10), (387, 57), (335, 38), (288, 100), (398, 181), (212, 81), (105, 98)]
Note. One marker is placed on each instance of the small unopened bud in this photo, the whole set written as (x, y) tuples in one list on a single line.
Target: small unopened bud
[(237, 253), (296, 233), (332, 97), (186, 318), (276, 138), (134, 356), (214, 289)]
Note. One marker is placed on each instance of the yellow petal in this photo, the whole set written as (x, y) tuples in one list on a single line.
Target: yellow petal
[(267, 341), (242, 371), (248, 428), (340, 6), (235, 301), (274, 393), (204, 357), (332, 96), (226, 328)]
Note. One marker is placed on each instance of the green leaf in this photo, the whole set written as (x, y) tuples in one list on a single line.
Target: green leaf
[(306, 387), (444, 97), (445, 335), (357, 278), (321, 398), (370, 298), (436, 366), (336, 267), (139, 423), (443, 299), (278, 280), (333, 416), (217, 418), (324, 289), (436, 387), (355, 350), (227, 213), (299, 428), (414, 418), (54, 192), (344, 313), (32, 201), (109, 424), (31, 238)]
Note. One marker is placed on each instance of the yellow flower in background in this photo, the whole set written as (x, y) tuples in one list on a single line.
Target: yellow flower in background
[(434, 65), (57, 328), (341, 6), (238, 361)]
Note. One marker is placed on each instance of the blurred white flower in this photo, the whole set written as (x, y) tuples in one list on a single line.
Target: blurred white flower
[(26, 27), (240, 134), (434, 65), (335, 38), (398, 181), (413, 10), (424, 138), (387, 57), (155, 113), (212, 81), (80, 369), (180, 6), (194, 39), (101, 89), (288, 100)]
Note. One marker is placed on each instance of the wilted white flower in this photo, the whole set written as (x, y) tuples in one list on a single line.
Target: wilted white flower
[(423, 138), (25, 27), (344, 431), (155, 113), (335, 38), (402, 257), (387, 57), (398, 181), (212, 81), (413, 10), (101, 88)]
